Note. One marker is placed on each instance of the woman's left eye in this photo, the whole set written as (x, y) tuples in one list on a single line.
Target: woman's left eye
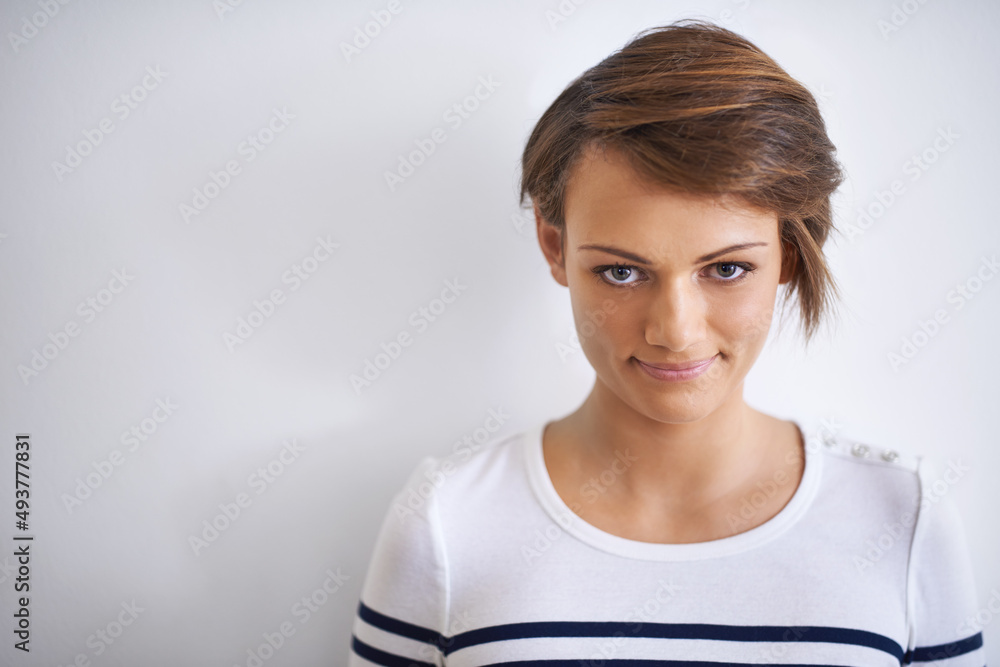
[(731, 271)]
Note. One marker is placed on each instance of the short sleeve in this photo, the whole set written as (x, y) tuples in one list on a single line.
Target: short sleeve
[(941, 591), (404, 603)]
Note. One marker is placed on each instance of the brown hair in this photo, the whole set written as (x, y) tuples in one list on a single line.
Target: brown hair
[(698, 109)]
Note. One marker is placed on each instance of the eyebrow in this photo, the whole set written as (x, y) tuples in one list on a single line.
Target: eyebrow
[(640, 260)]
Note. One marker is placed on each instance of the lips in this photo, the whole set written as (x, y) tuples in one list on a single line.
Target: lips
[(683, 366)]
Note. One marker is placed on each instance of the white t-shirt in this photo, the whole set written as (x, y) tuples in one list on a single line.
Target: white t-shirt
[(480, 562)]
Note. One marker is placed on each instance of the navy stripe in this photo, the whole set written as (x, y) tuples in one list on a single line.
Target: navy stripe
[(535, 630), (762, 633), (398, 627), (373, 654), (943, 651), (737, 633), (624, 662)]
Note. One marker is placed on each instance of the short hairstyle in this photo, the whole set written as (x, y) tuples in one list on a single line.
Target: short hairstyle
[(698, 109)]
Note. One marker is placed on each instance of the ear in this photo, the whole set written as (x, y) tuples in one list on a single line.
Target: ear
[(550, 238), (789, 262)]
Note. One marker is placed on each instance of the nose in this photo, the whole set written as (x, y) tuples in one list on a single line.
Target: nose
[(676, 317)]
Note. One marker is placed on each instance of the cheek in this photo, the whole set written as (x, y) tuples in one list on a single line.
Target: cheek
[(607, 322), (597, 319), (600, 315), (745, 319)]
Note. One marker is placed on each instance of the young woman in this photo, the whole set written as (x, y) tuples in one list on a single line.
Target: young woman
[(676, 186)]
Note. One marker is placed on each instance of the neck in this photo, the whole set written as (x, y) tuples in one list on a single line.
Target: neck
[(675, 464)]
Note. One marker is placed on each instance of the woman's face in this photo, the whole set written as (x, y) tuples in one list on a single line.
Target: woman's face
[(661, 279)]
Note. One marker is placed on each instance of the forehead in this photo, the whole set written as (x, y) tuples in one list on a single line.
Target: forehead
[(606, 200)]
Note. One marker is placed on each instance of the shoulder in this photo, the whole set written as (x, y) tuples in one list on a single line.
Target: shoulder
[(474, 470), (906, 498), (449, 501), (916, 478), (884, 494)]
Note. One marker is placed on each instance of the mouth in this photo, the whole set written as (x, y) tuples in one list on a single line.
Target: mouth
[(679, 372)]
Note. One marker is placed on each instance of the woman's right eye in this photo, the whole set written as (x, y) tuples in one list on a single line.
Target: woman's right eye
[(617, 274)]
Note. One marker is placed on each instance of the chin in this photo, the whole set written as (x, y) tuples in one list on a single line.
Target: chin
[(680, 412), (667, 402)]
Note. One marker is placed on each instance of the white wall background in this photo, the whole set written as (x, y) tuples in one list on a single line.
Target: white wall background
[(886, 98)]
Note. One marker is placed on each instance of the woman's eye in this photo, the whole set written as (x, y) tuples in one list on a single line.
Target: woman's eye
[(619, 274), (729, 270)]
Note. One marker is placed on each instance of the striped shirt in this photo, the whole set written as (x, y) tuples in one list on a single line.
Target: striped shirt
[(480, 562)]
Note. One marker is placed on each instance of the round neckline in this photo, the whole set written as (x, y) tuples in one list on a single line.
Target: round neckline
[(573, 524)]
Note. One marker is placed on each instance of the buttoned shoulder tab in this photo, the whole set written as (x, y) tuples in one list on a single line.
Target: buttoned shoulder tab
[(865, 452)]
